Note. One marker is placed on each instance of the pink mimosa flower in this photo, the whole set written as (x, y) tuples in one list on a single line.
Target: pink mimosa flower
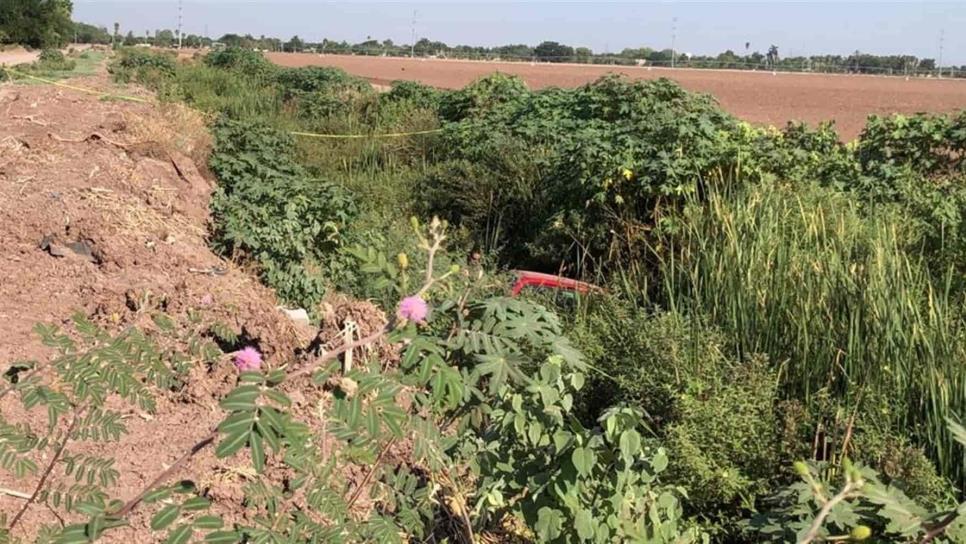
[(413, 309), (248, 359)]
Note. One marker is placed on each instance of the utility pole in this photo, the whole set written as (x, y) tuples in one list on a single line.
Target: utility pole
[(942, 36), (674, 31), (179, 23), (412, 46)]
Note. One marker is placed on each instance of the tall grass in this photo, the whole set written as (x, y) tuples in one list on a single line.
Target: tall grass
[(832, 295)]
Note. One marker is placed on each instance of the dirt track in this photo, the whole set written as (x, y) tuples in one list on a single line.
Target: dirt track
[(18, 55), (759, 97)]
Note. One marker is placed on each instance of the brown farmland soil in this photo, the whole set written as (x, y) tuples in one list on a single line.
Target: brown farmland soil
[(758, 97)]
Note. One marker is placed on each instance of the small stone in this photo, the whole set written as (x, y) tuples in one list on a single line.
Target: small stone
[(298, 315)]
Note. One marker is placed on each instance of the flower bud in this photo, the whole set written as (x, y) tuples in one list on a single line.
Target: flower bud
[(348, 386), (801, 468), (860, 532), (403, 261), (454, 269)]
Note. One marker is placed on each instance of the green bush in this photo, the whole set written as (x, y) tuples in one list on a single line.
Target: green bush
[(415, 93), (581, 174), (148, 67), (483, 97), (269, 211), (717, 415), (250, 63)]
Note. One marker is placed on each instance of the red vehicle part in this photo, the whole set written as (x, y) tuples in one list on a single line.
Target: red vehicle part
[(538, 279)]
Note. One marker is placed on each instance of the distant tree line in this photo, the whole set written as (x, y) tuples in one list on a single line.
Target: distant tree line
[(550, 51), (46, 23)]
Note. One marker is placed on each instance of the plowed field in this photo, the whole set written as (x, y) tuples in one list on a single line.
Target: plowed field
[(758, 97)]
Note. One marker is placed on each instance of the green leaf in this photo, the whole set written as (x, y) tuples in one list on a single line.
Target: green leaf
[(278, 397), (180, 535), (258, 452), (584, 460), (957, 430), (549, 524), (196, 503), (72, 534), (659, 462), (242, 398), (584, 523), (95, 527), (630, 445), (208, 522), (232, 443), (237, 422), (157, 495), (163, 321), (222, 537), (165, 517)]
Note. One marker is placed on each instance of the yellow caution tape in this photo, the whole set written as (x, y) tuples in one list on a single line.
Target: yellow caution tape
[(81, 89), (348, 136), (294, 133)]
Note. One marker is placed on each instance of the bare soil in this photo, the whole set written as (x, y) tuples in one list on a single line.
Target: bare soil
[(759, 97), (17, 55), (128, 181)]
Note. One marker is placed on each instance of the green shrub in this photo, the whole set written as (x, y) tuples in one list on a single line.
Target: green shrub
[(484, 96), (724, 439), (268, 210), (147, 67), (415, 93), (318, 92), (250, 63), (926, 144), (581, 174), (803, 155), (716, 414)]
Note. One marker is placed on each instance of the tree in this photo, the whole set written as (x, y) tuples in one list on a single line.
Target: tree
[(295, 44), (772, 56), (130, 39), (85, 33), (553, 52), (163, 38), (36, 23), (583, 54)]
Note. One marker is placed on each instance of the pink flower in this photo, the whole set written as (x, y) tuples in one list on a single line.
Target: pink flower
[(413, 309), (248, 359)]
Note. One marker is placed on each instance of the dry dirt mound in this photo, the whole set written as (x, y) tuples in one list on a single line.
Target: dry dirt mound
[(103, 210)]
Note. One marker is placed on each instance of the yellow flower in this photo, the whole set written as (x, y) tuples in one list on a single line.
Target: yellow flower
[(627, 173)]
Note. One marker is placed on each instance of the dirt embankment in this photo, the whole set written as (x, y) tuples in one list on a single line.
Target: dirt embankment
[(758, 97), (104, 210)]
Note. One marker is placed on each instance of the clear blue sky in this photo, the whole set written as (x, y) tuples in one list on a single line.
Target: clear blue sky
[(702, 27)]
